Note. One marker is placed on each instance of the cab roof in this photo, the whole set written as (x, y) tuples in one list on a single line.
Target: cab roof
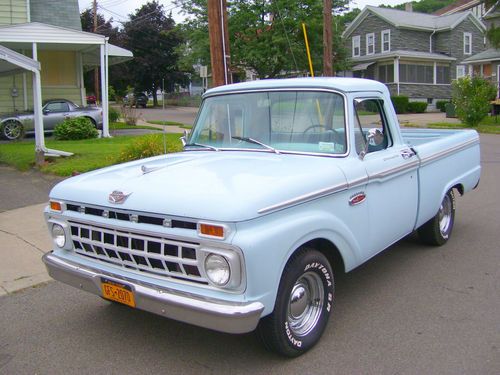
[(336, 83)]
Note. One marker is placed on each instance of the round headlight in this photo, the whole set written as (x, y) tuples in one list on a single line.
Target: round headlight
[(58, 235), (217, 269)]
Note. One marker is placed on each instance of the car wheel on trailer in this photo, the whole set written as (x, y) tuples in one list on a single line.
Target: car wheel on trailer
[(303, 305)]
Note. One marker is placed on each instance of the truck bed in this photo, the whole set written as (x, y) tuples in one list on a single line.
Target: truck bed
[(446, 157)]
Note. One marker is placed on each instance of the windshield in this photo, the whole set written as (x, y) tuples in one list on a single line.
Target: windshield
[(297, 121)]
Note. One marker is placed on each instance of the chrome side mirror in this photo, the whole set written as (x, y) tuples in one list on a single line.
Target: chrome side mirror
[(184, 138), (370, 136)]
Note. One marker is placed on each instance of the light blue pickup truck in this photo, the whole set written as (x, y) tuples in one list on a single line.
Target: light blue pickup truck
[(281, 183)]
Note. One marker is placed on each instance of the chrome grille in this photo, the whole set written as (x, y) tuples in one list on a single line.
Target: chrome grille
[(144, 253)]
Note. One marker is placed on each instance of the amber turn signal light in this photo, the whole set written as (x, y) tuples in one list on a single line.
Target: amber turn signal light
[(55, 206), (211, 230)]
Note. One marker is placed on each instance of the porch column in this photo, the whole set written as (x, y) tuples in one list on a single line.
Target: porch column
[(81, 80), (396, 72), (434, 73), (37, 108), (104, 89)]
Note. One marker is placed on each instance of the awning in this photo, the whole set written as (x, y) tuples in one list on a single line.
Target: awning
[(12, 62), (116, 54), (361, 66)]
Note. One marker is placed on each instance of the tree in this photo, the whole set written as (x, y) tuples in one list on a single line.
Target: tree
[(154, 40), (266, 36), (119, 76), (471, 97)]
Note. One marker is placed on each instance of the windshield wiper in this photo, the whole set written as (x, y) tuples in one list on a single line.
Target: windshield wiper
[(254, 141), (202, 145)]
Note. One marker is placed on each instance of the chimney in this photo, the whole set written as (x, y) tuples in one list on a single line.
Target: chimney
[(409, 7)]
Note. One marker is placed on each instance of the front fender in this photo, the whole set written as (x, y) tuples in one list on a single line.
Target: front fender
[(269, 242)]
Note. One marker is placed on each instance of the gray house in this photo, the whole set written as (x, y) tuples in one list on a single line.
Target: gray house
[(414, 54), (487, 63)]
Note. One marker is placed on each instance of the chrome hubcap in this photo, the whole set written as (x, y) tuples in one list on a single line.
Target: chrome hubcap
[(305, 304), (12, 130), (445, 215)]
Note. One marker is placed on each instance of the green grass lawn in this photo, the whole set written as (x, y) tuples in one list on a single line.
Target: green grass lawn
[(122, 125), (487, 126), (171, 123), (88, 155)]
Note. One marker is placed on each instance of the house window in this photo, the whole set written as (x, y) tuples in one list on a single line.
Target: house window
[(386, 73), (370, 44), (386, 40), (460, 71), (443, 74), (356, 46), (467, 44), (413, 73)]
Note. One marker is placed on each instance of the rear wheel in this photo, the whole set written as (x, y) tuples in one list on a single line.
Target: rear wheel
[(12, 130), (437, 230), (303, 305)]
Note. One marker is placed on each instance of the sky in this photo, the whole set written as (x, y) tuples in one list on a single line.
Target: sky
[(120, 9)]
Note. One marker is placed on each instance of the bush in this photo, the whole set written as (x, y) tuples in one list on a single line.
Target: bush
[(400, 103), (441, 105), (471, 97), (147, 146), (130, 115), (417, 107), (75, 128), (111, 93), (113, 114)]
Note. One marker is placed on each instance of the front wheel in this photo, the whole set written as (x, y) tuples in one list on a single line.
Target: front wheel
[(437, 230), (12, 130), (303, 305)]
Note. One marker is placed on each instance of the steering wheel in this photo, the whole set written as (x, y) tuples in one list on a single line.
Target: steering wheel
[(333, 134)]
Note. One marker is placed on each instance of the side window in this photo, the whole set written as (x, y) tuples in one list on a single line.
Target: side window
[(371, 133), (58, 107)]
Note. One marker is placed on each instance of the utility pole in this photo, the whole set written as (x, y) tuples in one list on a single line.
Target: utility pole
[(96, 71), (219, 42), (327, 39)]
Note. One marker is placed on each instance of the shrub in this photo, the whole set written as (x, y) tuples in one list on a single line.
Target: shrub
[(113, 114), (417, 107), (471, 97), (75, 128), (400, 103), (441, 105), (147, 146), (111, 93), (130, 115)]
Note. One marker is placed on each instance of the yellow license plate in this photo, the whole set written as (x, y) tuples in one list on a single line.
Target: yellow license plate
[(117, 292)]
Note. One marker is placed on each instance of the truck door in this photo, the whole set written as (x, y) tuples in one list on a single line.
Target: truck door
[(391, 168)]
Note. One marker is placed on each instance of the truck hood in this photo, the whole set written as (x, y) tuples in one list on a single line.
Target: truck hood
[(226, 186)]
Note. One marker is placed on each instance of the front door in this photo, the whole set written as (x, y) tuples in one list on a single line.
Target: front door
[(391, 168), (54, 113)]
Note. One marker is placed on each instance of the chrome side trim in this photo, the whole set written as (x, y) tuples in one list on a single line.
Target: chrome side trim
[(388, 172), (304, 198), (219, 315), (451, 150)]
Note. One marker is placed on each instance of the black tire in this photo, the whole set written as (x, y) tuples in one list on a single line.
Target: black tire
[(12, 130), (437, 230), (303, 305)]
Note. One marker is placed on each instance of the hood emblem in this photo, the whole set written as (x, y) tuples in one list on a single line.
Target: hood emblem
[(118, 197)]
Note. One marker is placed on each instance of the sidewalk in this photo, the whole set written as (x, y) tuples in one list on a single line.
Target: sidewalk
[(23, 240)]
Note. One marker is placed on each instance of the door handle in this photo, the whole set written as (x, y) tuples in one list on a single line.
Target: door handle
[(408, 153)]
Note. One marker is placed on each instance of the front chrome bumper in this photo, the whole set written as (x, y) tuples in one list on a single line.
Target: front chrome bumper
[(219, 315)]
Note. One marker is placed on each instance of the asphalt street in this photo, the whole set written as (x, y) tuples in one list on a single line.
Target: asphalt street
[(412, 309)]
